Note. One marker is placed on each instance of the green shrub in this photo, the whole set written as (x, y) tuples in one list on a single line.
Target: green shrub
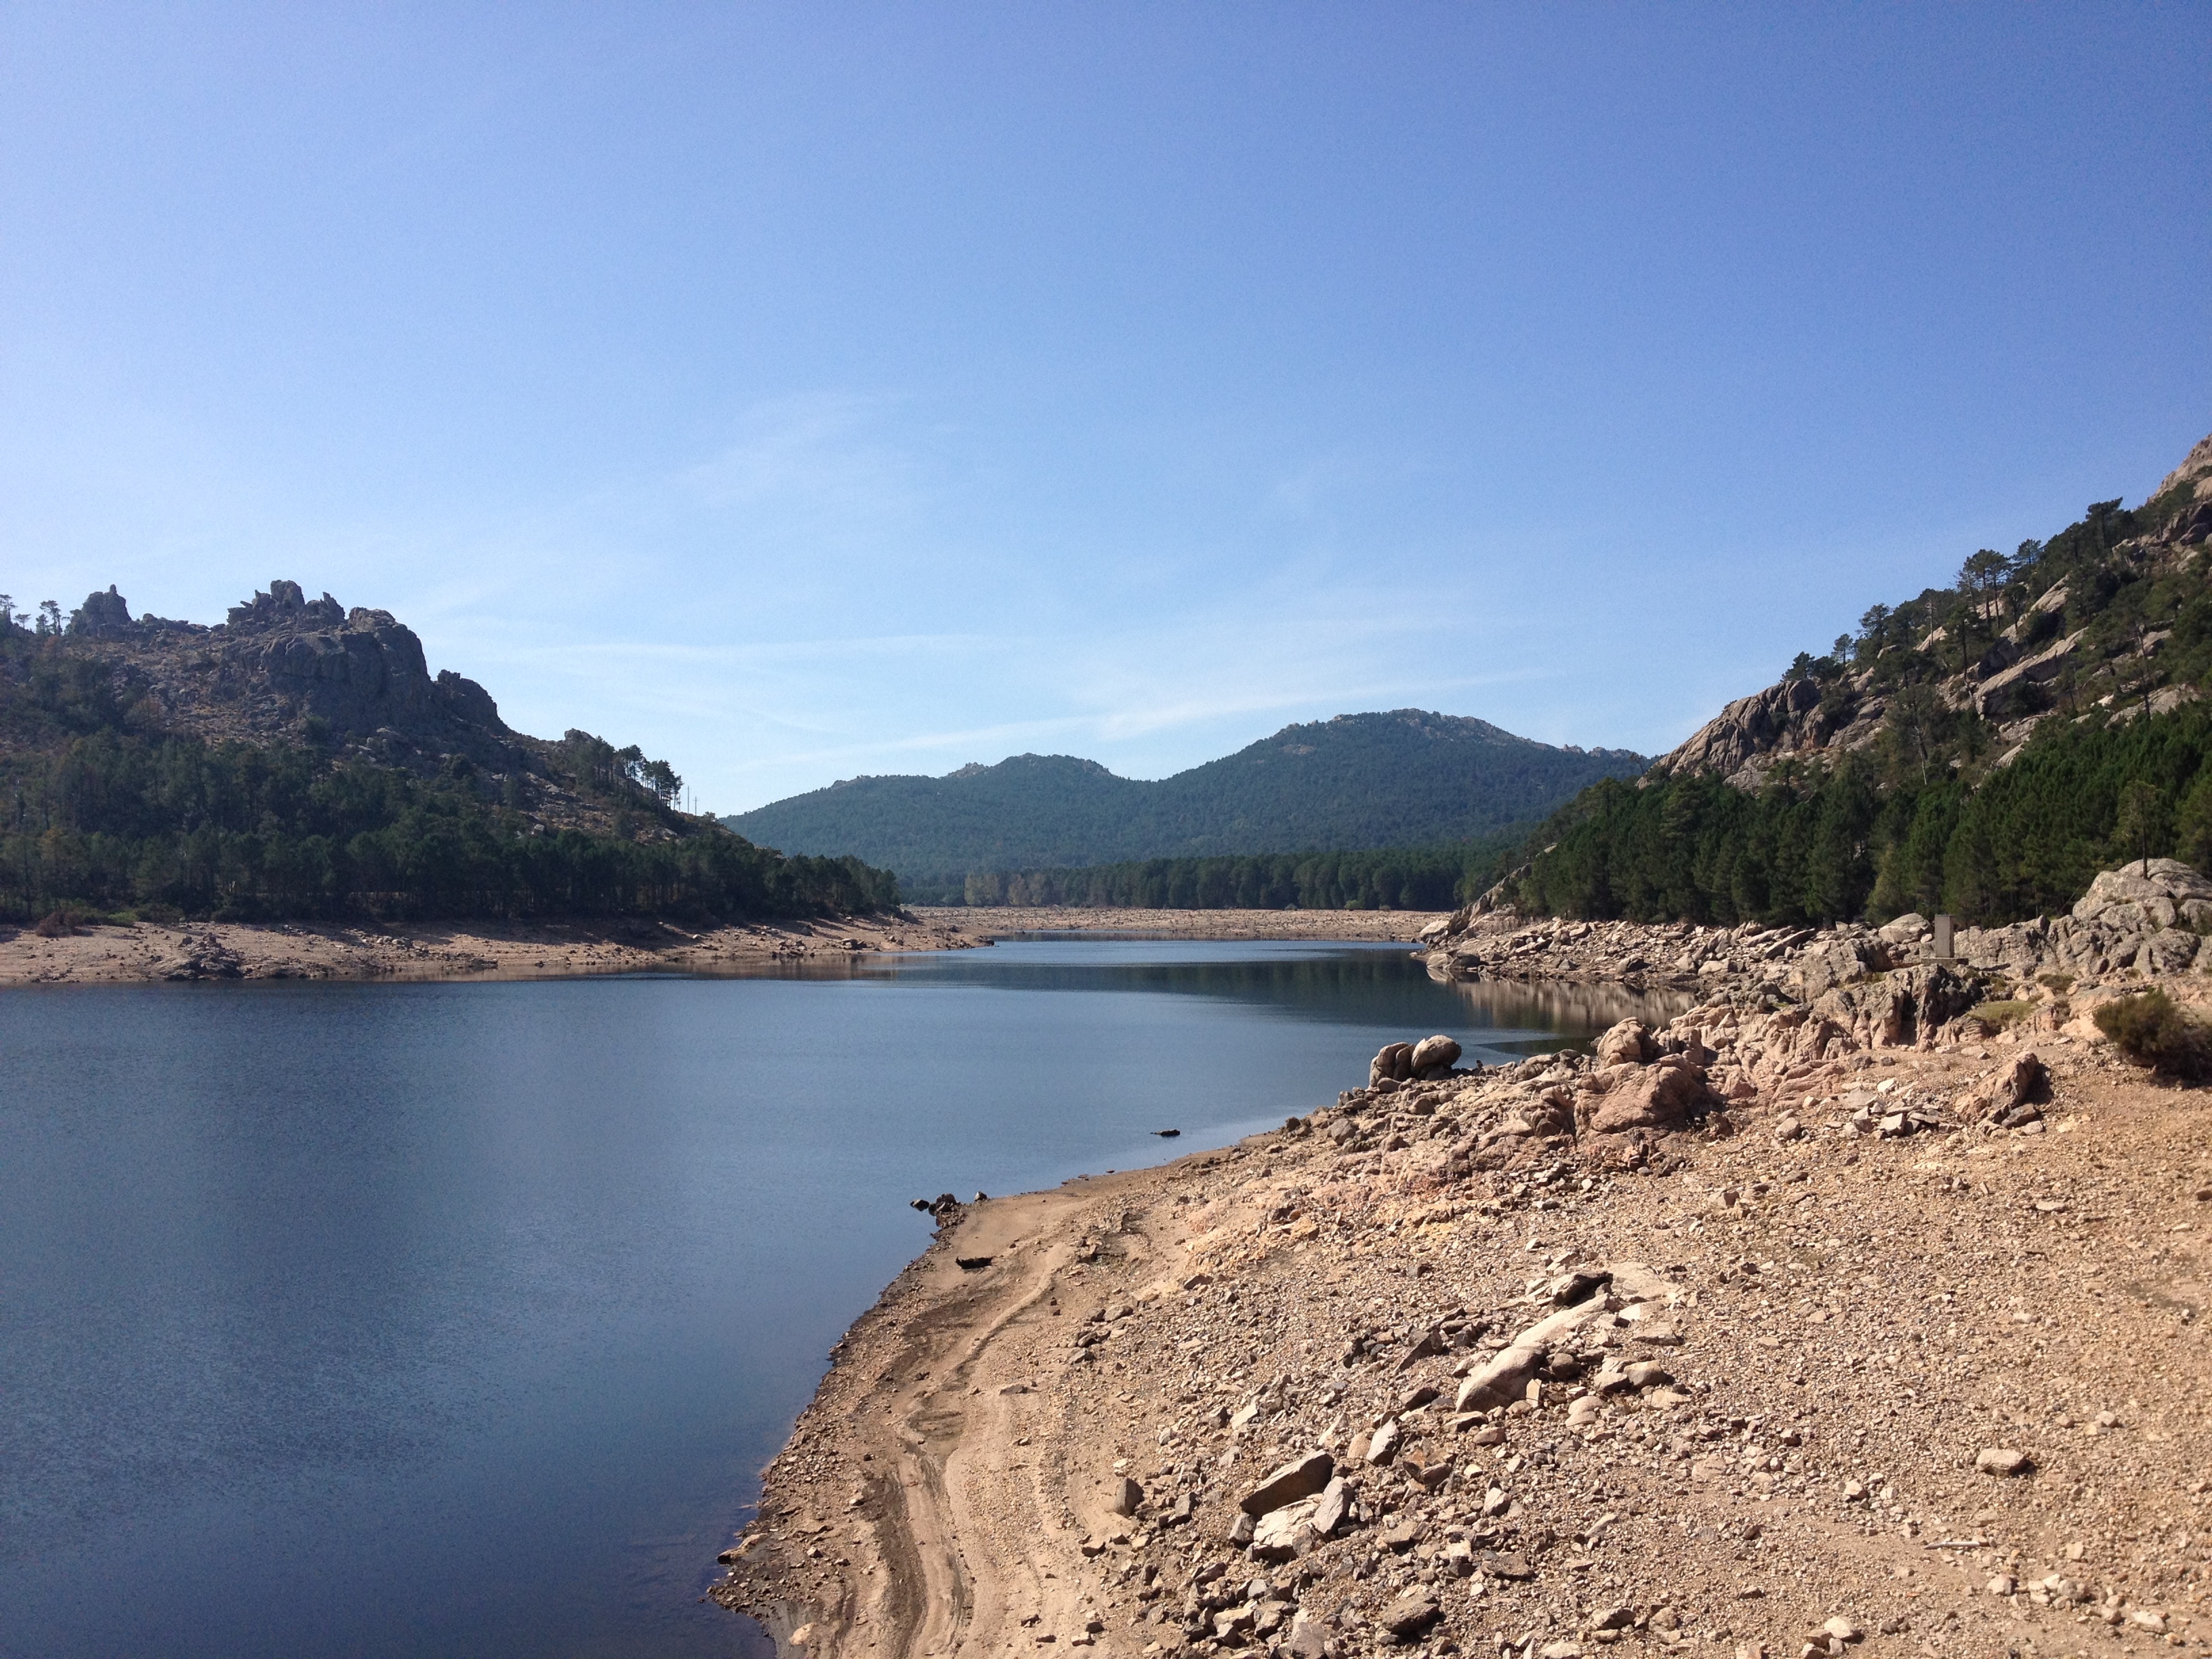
[(2150, 1030), (1999, 1014)]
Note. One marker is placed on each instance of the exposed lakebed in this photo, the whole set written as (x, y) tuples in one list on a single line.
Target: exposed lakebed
[(440, 1318)]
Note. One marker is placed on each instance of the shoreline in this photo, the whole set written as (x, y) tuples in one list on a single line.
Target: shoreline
[(148, 953), (156, 953), (1867, 1342), (1382, 927)]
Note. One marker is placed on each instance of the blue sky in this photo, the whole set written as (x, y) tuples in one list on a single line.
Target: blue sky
[(803, 392)]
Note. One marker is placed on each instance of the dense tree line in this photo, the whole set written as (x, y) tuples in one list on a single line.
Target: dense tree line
[(1831, 845), (102, 815), (1936, 814), (1399, 879)]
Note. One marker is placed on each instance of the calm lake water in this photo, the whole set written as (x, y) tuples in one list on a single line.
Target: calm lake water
[(457, 1319)]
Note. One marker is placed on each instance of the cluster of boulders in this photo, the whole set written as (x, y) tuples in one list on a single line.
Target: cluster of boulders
[(1676, 956), (1425, 1062), (2151, 915), (205, 958), (1713, 1070)]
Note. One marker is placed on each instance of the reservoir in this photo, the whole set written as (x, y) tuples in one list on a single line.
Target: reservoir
[(445, 1319)]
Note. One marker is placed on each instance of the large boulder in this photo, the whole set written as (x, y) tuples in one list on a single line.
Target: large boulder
[(1301, 1477), (1299, 1527), (1908, 929), (1900, 1008), (1628, 1043), (1661, 1097), (1506, 1376), (1433, 1055), (1839, 959), (2147, 895), (1393, 1062), (1410, 1615), (2007, 1094), (102, 615)]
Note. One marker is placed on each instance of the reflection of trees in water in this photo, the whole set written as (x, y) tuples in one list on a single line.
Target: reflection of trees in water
[(1576, 1011), (1392, 989)]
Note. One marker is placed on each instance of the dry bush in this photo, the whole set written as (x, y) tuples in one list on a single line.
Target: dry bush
[(2151, 1031)]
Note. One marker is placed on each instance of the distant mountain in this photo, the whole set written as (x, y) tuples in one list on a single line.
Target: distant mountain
[(1403, 779)]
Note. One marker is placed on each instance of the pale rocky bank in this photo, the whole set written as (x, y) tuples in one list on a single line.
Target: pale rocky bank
[(1855, 1310), (106, 954)]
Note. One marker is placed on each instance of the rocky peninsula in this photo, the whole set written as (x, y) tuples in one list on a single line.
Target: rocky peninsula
[(1857, 1309)]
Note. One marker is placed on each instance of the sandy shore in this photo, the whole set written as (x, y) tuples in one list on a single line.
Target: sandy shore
[(214, 950), (1803, 1347), (1349, 924)]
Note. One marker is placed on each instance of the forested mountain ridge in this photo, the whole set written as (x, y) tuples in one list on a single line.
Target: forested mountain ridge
[(2091, 615), (298, 759), (1984, 749), (1406, 778)]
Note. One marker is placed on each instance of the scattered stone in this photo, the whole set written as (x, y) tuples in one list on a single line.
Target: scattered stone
[(1409, 1616), (1307, 1638), (1301, 1477), (2000, 1460), (1510, 1564), (1286, 1534)]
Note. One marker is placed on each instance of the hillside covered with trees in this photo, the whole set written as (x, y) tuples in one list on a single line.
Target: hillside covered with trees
[(299, 762), (1387, 878), (1406, 778), (1983, 749)]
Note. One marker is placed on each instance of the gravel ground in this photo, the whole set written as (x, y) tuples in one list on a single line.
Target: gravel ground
[(1893, 1380)]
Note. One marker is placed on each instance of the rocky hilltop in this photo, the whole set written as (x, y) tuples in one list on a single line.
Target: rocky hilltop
[(282, 668), (281, 661), (2019, 640), (300, 761)]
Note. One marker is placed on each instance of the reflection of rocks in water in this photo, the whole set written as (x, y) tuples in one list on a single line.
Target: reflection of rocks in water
[(1576, 1012)]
